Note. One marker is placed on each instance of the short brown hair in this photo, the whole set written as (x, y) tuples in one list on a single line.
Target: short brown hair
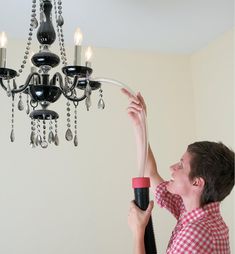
[(214, 162)]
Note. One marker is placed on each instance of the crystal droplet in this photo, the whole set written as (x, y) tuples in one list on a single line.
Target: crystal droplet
[(14, 84), (44, 144), (88, 90), (38, 140), (35, 23), (27, 109), (20, 105), (32, 145), (9, 90), (69, 135), (12, 136), (51, 137), (60, 20), (88, 103), (32, 137), (101, 104), (75, 141), (56, 140)]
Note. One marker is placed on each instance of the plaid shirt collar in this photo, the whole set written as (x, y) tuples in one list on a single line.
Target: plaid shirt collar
[(188, 217)]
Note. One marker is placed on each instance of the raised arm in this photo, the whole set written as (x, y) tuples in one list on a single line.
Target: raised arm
[(136, 106)]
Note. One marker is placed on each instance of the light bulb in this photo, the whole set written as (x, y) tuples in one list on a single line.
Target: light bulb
[(78, 37), (88, 54), (3, 40)]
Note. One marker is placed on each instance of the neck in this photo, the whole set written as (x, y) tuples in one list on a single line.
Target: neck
[(191, 203)]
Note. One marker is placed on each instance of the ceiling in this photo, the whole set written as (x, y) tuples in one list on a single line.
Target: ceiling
[(174, 26)]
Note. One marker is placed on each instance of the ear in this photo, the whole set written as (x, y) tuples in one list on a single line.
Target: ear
[(199, 182)]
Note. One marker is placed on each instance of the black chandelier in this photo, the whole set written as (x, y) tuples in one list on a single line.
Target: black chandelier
[(40, 89)]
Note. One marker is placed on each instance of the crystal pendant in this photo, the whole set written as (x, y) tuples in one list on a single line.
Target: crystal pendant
[(27, 109), (75, 141), (20, 105), (60, 20), (34, 23), (88, 103), (44, 144), (56, 140), (14, 84), (101, 104), (69, 135), (32, 145), (51, 137), (9, 93), (88, 90), (32, 137), (12, 136), (38, 140)]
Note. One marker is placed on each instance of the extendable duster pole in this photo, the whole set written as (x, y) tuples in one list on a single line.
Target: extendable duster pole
[(141, 190)]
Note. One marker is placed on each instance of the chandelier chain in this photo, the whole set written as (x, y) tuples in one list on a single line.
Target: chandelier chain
[(58, 17), (33, 25), (12, 135)]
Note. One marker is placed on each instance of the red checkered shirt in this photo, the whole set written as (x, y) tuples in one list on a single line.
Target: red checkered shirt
[(201, 231)]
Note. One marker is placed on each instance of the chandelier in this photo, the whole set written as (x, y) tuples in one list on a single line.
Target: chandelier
[(42, 88)]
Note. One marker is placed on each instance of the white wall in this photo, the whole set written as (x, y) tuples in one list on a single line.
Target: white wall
[(75, 200)]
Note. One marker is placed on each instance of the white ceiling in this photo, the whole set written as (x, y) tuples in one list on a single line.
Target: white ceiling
[(180, 26)]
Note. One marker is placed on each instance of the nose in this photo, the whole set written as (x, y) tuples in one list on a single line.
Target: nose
[(174, 167)]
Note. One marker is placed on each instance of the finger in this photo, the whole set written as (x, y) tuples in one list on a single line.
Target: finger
[(150, 207), (130, 95), (141, 99), (132, 204), (133, 110), (135, 105)]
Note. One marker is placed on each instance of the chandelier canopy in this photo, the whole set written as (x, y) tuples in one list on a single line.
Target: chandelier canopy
[(42, 88)]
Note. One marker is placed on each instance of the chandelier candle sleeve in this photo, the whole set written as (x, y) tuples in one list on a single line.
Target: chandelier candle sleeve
[(141, 190), (78, 48), (3, 50)]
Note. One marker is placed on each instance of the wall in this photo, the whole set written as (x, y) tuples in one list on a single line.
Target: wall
[(213, 84)]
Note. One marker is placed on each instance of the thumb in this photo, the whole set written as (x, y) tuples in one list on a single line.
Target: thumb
[(150, 207)]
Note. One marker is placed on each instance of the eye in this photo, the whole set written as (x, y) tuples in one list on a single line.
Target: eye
[(180, 165)]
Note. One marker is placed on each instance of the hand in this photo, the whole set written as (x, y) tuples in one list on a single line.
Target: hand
[(136, 106), (138, 219)]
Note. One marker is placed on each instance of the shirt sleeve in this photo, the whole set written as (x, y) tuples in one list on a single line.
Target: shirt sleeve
[(171, 202)]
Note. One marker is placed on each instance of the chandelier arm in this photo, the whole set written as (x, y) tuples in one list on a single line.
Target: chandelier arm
[(27, 83), (58, 76), (74, 99), (75, 83), (2, 85)]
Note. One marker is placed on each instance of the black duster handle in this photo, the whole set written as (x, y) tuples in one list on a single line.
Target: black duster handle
[(141, 190)]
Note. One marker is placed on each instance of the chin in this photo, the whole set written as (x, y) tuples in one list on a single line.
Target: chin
[(169, 188)]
